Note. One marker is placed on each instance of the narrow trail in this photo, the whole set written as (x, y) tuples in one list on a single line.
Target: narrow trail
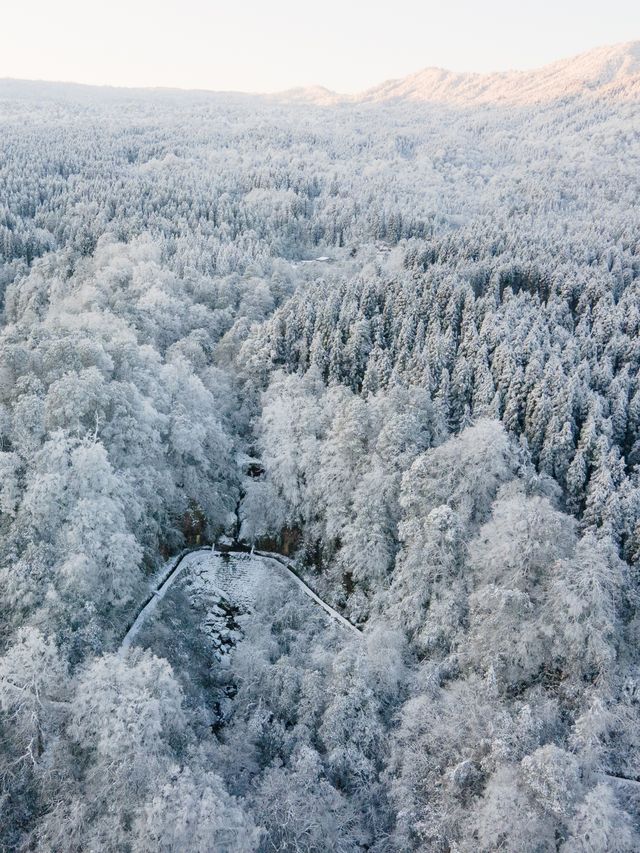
[(160, 588), (283, 563), (191, 558)]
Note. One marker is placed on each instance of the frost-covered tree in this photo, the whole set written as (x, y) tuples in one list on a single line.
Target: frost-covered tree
[(193, 812), (425, 326)]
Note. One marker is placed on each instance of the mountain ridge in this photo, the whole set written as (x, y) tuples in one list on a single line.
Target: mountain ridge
[(612, 70)]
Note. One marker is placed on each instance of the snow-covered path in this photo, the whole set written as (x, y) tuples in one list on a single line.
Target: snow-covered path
[(238, 576), (283, 565), (159, 588)]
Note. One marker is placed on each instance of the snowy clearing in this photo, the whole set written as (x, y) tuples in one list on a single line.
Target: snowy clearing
[(237, 576)]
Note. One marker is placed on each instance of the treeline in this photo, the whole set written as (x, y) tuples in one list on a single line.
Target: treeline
[(548, 346)]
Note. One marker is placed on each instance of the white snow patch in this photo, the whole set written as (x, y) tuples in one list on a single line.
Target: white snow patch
[(237, 577)]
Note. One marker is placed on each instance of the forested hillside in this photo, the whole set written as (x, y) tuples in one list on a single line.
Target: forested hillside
[(396, 338)]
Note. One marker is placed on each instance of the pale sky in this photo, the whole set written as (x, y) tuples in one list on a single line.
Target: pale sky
[(248, 45)]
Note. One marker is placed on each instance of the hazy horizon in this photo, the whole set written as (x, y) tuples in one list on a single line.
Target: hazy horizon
[(201, 45), (310, 86)]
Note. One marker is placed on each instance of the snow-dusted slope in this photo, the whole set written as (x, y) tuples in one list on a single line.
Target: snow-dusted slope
[(612, 72)]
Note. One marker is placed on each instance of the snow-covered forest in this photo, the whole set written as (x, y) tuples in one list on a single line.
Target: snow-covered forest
[(394, 339)]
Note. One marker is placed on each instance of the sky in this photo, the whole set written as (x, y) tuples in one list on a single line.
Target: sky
[(272, 45)]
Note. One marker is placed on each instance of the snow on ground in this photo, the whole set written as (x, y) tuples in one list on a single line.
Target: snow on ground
[(285, 566), (238, 577), (226, 584)]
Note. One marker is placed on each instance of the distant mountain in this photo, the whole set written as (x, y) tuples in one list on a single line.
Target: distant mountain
[(612, 71), (310, 95), (609, 70)]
